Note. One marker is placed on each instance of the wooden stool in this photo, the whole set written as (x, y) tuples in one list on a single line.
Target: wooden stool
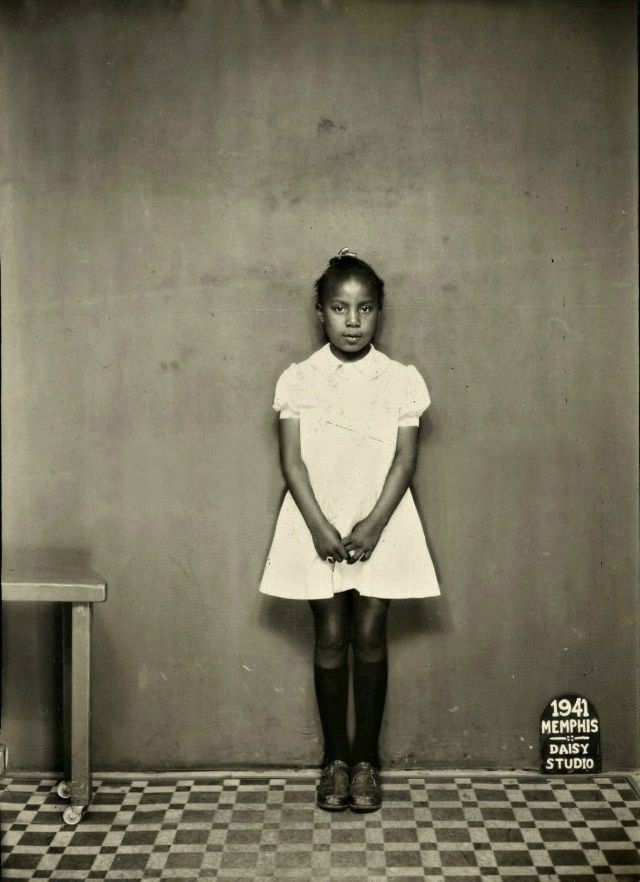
[(77, 590)]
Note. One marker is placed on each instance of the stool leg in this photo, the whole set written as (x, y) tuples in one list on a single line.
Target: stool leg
[(63, 786), (80, 780)]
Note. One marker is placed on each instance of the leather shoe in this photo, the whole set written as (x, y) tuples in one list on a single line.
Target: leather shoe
[(332, 792), (365, 793)]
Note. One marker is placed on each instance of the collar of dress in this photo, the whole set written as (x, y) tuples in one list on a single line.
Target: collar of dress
[(370, 366)]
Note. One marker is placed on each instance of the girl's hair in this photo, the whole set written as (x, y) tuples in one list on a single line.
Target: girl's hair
[(344, 266)]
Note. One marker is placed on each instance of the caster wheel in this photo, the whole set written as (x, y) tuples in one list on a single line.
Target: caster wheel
[(63, 790), (72, 815)]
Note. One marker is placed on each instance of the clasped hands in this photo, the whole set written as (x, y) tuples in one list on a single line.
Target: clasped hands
[(357, 546)]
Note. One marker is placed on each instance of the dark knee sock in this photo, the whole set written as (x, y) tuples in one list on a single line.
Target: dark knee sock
[(370, 688), (332, 689)]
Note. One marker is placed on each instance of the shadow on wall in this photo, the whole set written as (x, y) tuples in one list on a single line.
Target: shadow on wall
[(425, 430), (290, 619), (28, 557)]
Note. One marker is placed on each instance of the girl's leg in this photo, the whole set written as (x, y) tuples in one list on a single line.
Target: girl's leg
[(331, 672), (369, 674)]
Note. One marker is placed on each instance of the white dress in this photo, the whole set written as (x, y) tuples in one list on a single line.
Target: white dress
[(349, 415)]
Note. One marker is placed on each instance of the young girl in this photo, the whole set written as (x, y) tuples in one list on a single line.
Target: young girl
[(348, 537)]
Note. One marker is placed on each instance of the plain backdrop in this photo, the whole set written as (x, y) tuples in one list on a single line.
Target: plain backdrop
[(175, 175)]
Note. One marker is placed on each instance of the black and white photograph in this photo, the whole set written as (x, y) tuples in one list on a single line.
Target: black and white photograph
[(319, 404)]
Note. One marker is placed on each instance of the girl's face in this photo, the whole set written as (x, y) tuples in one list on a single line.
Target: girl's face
[(349, 315)]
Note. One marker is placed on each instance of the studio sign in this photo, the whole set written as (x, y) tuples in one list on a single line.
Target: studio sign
[(569, 736)]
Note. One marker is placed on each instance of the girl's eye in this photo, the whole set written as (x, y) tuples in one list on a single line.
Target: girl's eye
[(366, 307), (338, 308)]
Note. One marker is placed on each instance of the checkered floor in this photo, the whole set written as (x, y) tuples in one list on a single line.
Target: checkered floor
[(253, 828)]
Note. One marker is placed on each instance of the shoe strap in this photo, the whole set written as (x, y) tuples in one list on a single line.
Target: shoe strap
[(364, 770)]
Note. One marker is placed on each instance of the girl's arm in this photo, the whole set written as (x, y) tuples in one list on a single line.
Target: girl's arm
[(326, 538), (366, 533)]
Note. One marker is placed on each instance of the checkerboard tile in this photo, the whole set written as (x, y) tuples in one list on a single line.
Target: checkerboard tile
[(458, 828)]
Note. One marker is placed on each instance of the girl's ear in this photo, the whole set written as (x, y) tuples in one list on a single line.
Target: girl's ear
[(319, 311)]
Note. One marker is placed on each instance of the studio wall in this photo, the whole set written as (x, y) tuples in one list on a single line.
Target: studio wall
[(174, 178)]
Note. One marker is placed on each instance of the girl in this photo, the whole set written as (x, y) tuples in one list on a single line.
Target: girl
[(348, 537)]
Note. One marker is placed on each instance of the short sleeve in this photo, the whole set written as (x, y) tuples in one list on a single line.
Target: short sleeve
[(415, 398), (285, 399)]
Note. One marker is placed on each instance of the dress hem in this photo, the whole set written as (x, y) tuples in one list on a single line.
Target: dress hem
[(328, 596)]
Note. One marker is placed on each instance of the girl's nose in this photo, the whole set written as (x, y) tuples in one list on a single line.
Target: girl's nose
[(353, 319)]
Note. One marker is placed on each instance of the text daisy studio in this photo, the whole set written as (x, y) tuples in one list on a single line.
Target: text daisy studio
[(569, 736)]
